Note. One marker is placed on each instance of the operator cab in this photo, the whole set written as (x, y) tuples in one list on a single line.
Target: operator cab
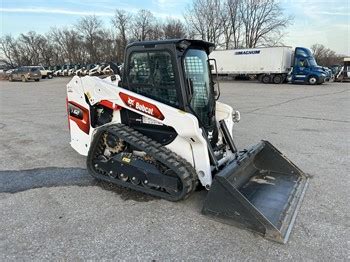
[(174, 72)]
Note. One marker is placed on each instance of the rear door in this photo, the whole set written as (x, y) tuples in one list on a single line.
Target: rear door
[(34, 72), (17, 73)]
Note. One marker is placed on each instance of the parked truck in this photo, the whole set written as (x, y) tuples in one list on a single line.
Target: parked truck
[(343, 72), (270, 64)]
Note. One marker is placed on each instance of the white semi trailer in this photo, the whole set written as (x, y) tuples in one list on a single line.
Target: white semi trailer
[(270, 64)]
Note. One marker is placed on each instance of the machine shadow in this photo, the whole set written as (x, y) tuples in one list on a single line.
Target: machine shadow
[(13, 181)]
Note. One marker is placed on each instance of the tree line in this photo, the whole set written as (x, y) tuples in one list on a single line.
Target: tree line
[(325, 56), (227, 23)]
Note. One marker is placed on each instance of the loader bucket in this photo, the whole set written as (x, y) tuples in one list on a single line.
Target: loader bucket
[(261, 191)]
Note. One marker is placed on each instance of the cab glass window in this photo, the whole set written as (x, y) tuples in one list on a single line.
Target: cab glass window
[(198, 80), (152, 74), (301, 52)]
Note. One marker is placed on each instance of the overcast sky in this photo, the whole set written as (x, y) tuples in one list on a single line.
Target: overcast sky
[(315, 21)]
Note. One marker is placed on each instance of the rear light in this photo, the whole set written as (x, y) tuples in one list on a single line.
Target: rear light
[(75, 111), (80, 115)]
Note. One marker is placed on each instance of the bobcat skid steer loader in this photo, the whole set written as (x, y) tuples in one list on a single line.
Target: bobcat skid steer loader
[(159, 129)]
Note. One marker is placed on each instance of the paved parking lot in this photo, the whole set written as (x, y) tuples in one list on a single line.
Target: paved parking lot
[(51, 209)]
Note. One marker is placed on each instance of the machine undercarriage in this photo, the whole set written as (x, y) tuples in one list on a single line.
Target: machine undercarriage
[(127, 158)]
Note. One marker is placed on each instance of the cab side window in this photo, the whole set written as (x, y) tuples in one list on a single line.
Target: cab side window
[(152, 74)]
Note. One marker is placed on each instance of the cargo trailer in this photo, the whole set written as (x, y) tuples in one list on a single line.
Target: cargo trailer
[(270, 64)]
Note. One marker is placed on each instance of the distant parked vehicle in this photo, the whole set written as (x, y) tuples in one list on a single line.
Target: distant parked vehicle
[(25, 73), (88, 68), (57, 71), (80, 70), (270, 64), (66, 69), (328, 72), (343, 74), (8, 72), (71, 71), (52, 68), (95, 70), (45, 73), (107, 70), (335, 69)]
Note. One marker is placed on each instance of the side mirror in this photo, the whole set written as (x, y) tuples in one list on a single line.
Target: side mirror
[(216, 91)]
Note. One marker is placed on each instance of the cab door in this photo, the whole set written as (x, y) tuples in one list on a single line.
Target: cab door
[(300, 70), (152, 73)]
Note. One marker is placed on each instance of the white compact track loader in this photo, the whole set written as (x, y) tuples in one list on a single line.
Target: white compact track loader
[(159, 129)]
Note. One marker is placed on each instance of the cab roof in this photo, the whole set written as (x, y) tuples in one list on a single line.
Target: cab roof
[(208, 46)]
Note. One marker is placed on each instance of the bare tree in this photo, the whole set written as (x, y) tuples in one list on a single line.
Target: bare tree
[(69, 43), (174, 28), (28, 49), (120, 51), (122, 21), (232, 24), (261, 19), (204, 18), (28, 45), (156, 32), (319, 51), (9, 50), (325, 56), (108, 49), (143, 25), (46, 50), (227, 23), (90, 28)]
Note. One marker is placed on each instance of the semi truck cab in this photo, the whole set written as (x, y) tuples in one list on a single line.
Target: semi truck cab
[(305, 68)]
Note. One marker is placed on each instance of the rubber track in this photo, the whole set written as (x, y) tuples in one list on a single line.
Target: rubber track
[(177, 164)]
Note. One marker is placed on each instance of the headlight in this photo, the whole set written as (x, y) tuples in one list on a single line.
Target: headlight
[(236, 116)]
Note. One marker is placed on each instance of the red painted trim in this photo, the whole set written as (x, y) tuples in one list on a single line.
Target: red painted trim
[(141, 105), (110, 105), (83, 124), (107, 103), (67, 112)]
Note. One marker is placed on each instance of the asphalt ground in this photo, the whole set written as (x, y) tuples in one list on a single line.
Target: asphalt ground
[(52, 209)]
